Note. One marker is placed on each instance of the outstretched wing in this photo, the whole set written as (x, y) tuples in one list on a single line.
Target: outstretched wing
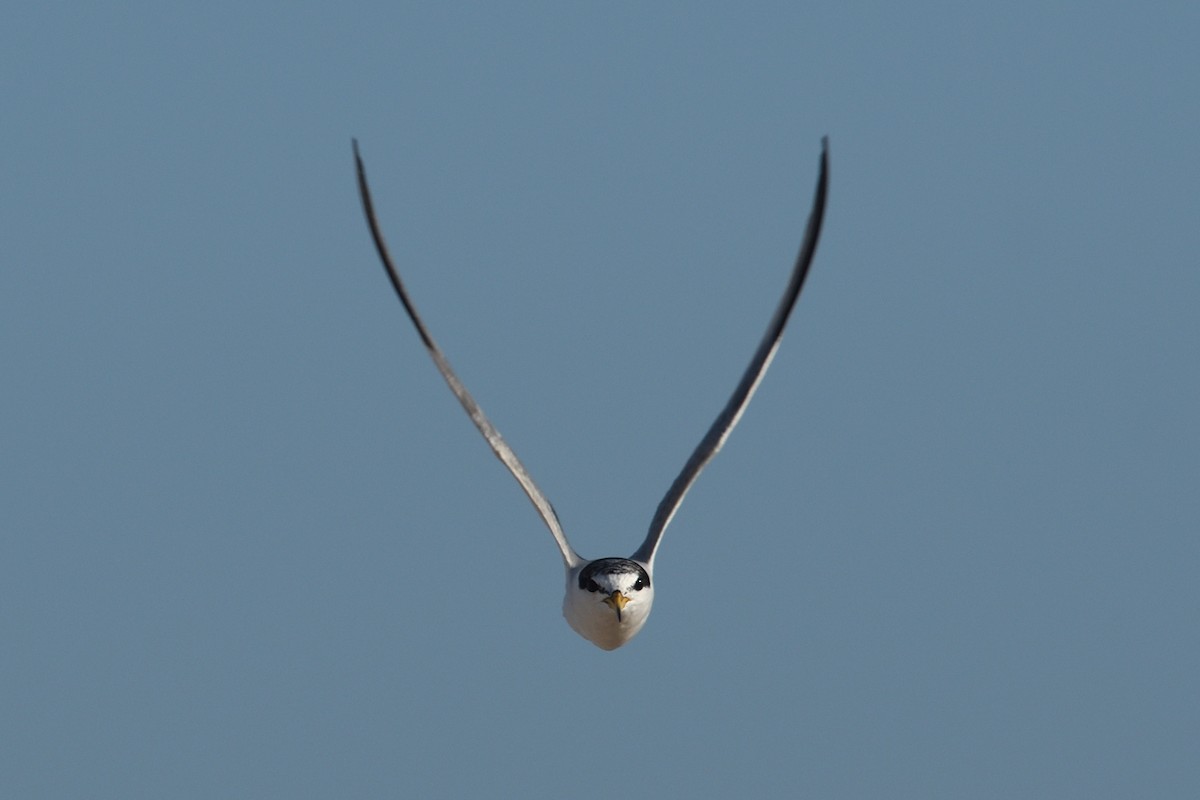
[(493, 437), (728, 418)]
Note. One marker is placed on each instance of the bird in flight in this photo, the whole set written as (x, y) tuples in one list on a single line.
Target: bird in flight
[(608, 600)]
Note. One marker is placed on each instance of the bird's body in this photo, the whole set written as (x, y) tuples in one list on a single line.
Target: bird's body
[(608, 600)]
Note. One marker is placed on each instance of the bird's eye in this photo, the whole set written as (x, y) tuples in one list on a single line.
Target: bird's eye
[(641, 584), (592, 586)]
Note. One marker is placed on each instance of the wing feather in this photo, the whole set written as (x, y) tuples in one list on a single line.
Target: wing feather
[(490, 434), (732, 412)]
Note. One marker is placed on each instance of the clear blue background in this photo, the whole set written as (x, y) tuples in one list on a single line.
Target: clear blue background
[(251, 548)]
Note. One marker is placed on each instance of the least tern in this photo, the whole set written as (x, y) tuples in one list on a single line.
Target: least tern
[(608, 600)]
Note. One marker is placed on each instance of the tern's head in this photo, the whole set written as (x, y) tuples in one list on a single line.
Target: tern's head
[(608, 600)]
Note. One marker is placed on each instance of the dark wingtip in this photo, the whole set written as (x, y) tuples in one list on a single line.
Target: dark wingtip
[(818, 212), (358, 162)]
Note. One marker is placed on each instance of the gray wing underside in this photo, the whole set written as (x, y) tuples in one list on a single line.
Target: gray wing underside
[(732, 412), (490, 434)]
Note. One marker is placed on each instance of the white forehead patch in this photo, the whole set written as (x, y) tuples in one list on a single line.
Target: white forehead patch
[(612, 581)]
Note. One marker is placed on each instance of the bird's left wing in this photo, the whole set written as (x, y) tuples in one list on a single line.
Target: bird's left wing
[(729, 415)]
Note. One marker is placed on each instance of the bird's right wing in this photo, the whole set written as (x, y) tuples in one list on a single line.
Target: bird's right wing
[(493, 437)]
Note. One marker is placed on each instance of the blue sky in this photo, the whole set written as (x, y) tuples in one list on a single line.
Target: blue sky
[(251, 547)]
